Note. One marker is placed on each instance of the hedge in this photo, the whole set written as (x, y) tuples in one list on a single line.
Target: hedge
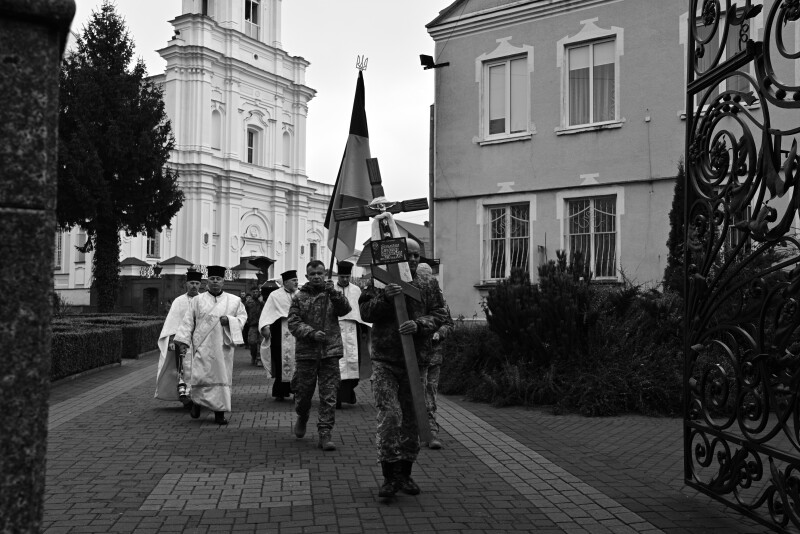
[(81, 349), (82, 343)]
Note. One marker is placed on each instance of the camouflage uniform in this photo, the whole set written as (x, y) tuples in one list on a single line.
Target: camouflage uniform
[(397, 437), (432, 376), (253, 337), (311, 308)]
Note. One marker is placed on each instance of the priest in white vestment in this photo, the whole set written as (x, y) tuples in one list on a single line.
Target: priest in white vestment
[(277, 345), (174, 371), (354, 337), (212, 327)]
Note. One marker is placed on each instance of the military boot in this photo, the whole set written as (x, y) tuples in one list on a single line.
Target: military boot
[(435, 443), (391, 483), (300, 426), (325, 442), (407, 484)]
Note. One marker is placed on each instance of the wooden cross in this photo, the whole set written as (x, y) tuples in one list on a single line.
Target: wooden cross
[(391, 275)]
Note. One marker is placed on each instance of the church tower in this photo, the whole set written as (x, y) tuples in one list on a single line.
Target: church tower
[(238, 105)]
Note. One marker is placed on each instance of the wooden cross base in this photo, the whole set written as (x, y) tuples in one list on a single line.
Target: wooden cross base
[(392, 276)]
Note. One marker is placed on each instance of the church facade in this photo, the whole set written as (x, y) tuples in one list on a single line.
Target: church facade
[(238, 105)]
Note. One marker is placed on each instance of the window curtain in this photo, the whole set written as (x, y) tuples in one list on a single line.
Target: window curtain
[(704, 63), (519, 95), (520, 237), (605, 236), (578, 229), (579, 85), (603, 72), (497, 99)]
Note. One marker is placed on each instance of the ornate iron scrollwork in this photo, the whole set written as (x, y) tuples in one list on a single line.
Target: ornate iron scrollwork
[(742, 322)]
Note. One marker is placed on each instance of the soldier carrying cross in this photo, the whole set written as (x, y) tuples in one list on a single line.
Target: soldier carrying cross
[(394, 381)]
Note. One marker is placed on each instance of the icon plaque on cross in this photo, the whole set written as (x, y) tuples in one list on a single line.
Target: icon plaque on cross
[(390, 251)]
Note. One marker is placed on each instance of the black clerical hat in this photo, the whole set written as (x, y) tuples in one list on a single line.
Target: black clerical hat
[(193, 276), (216, 270), (345, 268), (289, 275)]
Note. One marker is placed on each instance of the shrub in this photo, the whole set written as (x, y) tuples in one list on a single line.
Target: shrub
[(81, 349), (468, 351), (139, 338)]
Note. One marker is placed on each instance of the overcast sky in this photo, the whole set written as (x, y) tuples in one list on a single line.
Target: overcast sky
[(330, 34)]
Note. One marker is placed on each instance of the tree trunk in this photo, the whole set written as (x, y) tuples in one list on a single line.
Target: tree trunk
[(106, 265)]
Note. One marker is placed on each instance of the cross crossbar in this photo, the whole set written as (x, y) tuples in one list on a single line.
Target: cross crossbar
[(363, 213)]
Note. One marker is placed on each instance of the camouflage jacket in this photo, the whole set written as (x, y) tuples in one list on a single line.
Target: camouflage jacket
[(306, 314), (444, 331), (429, 314)]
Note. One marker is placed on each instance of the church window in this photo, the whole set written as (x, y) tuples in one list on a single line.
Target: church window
[(253, 153), (251, 18), (312, 251), (81, 241), (59, 250), (154, 244), (216, 129)]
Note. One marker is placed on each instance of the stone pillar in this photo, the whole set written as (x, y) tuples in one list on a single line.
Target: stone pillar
[(32, 38)]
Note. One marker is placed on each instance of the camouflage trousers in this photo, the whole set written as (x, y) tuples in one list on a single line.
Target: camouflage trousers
[(431, 388), (304, 382), (397, 436), (253, 343)]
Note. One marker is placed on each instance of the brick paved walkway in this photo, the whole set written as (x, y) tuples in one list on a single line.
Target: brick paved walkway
[(120, 461)]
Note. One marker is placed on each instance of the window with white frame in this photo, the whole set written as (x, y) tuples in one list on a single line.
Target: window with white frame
[(80, 256), (154, 244), (58, 252), (589, 62), (252, 152), (507, 96), (591, 87), (506, 240), (312, 251), (251, 18), (504, 76), (591, 229)]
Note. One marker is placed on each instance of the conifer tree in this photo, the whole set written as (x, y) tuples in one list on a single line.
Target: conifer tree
[(673, 273), (114, 143)]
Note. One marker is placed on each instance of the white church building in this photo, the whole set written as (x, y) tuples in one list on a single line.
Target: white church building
[(238, 104)]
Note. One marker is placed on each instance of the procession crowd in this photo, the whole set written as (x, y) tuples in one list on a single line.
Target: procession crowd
[(314, 338)]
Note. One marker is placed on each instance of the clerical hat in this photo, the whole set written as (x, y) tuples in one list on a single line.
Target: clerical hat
[(345, 268), (193, 276), (216, 270), (289, 275)]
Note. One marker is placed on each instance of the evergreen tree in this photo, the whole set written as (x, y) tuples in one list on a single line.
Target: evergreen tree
[(673, 273), (114, 143)]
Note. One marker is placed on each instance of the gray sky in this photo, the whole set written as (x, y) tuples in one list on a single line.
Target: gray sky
[(330, 34)]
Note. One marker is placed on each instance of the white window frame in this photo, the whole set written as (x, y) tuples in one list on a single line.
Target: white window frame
[(80, 239), (252, 28), (252, 152), (153, 246), (483, 207), (684, 39), (590, 33), (58, 251), (504, 53), (563, 197)]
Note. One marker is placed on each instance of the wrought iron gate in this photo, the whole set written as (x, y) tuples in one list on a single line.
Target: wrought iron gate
[(742, 322)]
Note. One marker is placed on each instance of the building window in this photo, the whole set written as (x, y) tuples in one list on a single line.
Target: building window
[(504, 76), (506, 240), (592, 83), (312, 251), (251, 18), (80, 256), (253, 144), (733, 45), (58, 254), (507, 97), (154, 244), (216, 129), (592, 231)]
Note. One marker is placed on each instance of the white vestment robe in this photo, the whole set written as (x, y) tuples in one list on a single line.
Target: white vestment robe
[(348, 364), (277, 309), (213, 346), (167, 375)]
